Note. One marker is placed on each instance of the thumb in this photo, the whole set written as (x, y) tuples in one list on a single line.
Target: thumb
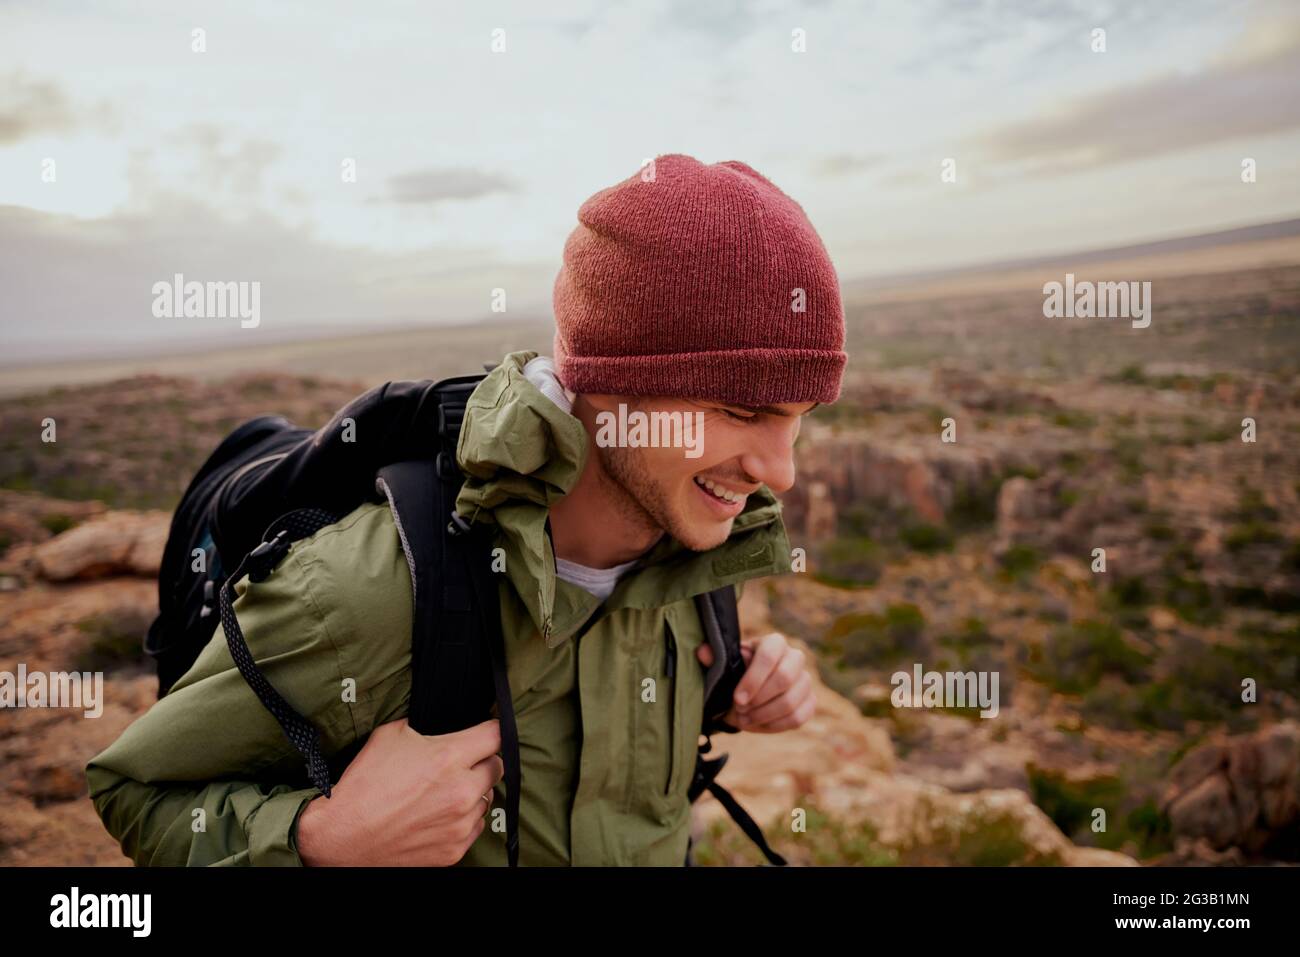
[(705, 653)]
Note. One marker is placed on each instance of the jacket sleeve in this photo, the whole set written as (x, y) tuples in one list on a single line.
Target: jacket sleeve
[(243, 823), (195, 780)]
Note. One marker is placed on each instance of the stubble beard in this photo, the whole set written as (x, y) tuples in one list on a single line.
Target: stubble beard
[(641, 500)]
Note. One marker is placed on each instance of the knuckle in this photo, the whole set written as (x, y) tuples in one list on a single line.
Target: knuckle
[(466, 799)]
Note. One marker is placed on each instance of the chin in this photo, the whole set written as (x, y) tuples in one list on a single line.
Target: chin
[(701, 537)]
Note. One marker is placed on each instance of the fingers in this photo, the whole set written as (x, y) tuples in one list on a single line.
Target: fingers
[(470, 800), (780, 707), (767, 657), (782, 678), (795, 719), (483, 804), (474, 744), (487, 773)]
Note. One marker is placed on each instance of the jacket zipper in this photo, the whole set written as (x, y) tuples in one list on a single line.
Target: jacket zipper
[(670, 669)]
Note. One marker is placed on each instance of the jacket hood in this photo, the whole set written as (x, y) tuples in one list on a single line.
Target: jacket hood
[(522, 453)]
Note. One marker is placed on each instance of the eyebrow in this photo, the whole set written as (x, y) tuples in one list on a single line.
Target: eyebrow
[(770, 409)]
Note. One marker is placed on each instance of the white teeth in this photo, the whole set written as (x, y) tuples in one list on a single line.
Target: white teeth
[(725, 494)]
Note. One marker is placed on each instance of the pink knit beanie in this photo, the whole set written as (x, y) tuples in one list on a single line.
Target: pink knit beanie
[(703, 282)]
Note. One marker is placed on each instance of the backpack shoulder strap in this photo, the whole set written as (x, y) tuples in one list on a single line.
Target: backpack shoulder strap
[(257, 565), (720, 619), (450, 680), (458, 662)]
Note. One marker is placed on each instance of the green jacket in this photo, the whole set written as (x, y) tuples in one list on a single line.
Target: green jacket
[(604, 772)]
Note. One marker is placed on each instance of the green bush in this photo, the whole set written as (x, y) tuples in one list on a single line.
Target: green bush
[(1194, 681), (1074, 419), (57, 524), (1126, 600), (114, 639), (974, 506), (870, 640), (1160, 530), (1191, 599), (1070, 805), (1254, 532), (924, 537), (1019, 561), (1075, 658), (1128, 451), (1252, 507), (1130, 592), (1291, 558), (1130, 375), (825, 842), (848, 562)]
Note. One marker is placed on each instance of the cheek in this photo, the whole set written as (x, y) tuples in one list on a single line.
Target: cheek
[(668, 466)]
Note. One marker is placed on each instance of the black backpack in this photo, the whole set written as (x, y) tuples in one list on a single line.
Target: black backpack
[(270, 483)]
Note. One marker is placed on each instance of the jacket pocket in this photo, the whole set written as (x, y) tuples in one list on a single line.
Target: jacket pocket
[(682, 701)]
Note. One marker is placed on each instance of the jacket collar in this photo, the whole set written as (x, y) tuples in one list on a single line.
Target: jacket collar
[(521, 454)]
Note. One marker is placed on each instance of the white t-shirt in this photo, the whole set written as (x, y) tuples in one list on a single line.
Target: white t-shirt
[(599, 581), (541, 373)]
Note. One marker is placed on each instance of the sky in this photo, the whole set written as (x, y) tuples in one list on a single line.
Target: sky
[(128, 156)]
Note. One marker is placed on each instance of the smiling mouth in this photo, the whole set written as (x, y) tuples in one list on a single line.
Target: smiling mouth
[(720, 494)]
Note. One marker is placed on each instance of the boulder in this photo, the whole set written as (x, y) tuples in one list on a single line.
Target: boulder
[(1241, 791), (117, 543), (843, 765)]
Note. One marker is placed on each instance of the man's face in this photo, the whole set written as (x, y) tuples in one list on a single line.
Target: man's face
[(695, 497)]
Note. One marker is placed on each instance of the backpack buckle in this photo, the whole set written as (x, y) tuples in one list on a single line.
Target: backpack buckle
[(706, 770), (266, 556), (446, 467), (449, 425), (457, 526)]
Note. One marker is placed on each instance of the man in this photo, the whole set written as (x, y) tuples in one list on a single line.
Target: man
[(694, 289)]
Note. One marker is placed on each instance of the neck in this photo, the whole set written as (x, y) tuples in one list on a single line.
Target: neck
[(596, 524)]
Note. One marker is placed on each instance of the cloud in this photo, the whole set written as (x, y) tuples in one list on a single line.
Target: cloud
[(77, 286), (1251, 90), (425, 187), (30, 107), (720, 22), (843, 164), (239, 170)]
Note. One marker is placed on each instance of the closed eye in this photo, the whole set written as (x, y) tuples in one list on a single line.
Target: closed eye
[(740, 416)]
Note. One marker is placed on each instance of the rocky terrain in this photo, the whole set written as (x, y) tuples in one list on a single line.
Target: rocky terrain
[(1162, 691), (1121, 685), (80, 600)]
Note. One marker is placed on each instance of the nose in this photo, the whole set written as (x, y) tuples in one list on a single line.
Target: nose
[(770, 459)]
